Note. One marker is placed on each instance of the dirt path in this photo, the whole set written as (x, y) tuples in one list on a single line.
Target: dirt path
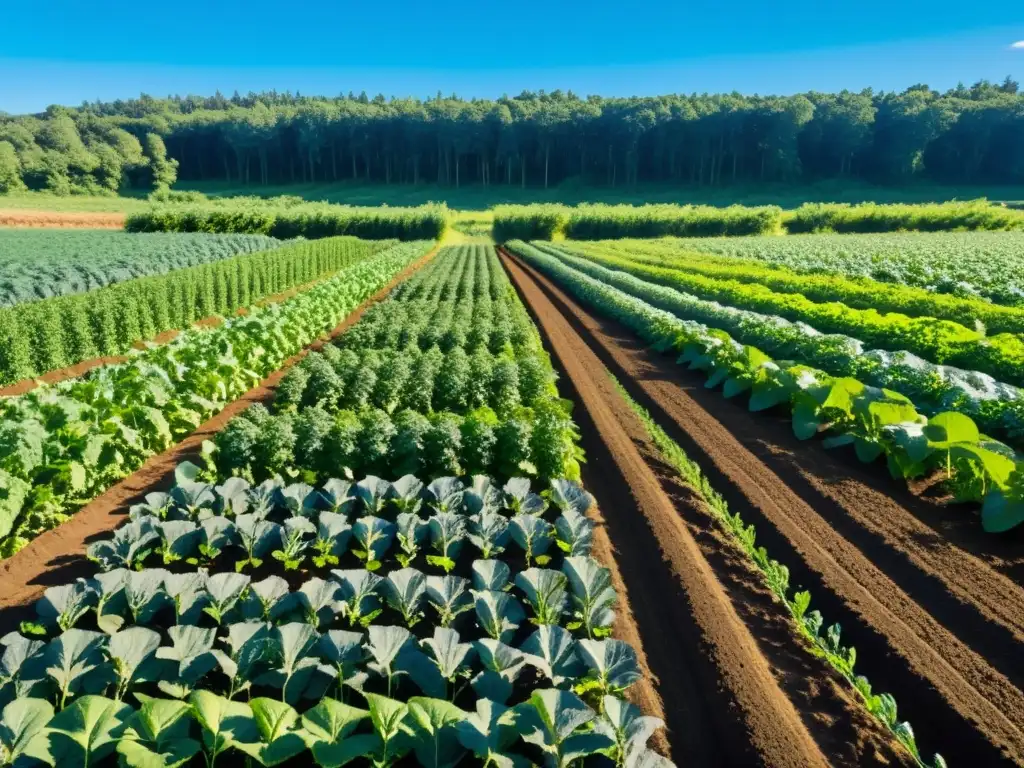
[(937, 621), (58, 556), (723, 701), (16, 217)]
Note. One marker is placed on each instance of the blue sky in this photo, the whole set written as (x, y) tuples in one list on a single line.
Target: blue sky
[(107, 49)]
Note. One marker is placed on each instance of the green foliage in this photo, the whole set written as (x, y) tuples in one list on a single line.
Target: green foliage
[(98, 429), (874, 217), (985, 265), (776, 578), (875, 421), (65, 330), (285, 221), (598, 222)]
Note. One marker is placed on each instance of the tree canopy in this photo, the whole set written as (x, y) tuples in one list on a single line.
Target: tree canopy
[(968, 135)]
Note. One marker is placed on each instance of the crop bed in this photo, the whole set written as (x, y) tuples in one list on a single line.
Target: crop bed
[(933, 605)]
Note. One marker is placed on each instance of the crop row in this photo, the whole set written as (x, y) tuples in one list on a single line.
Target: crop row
[(988, 265), (441, 656), (294, 219), (875, 422), (41, 263), (399, 392), (860, 293), (997, 407), (939, 341), (826, 640), (60, 446), (54, 333)]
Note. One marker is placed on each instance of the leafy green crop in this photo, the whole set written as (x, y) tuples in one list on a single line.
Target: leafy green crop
[(71, 441), (877, 422)]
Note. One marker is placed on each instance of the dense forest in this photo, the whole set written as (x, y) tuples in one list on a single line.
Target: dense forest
[(964, 135)]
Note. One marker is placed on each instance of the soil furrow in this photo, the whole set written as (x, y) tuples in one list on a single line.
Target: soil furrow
[(724, 707), (920, 607), (58, 556)]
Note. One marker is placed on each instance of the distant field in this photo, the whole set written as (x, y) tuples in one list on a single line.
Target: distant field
[(37, 264), (987, 264)]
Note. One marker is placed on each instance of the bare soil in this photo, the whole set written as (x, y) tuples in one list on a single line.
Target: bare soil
[(58, 556), (736, 688), (934, 606), (15, 217)]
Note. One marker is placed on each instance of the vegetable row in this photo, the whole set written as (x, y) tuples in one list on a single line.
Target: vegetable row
[(41, 263), (939, 341), (997, 407), (61, 446), (48, 335), (319, 662), (876, 422), (988, 265), (446, 376), (857, 292)]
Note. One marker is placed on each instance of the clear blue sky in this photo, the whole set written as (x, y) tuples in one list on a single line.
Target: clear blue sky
[(108, 48)]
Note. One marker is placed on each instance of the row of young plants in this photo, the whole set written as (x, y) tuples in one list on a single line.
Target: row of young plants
[(857, 292), (447, 376), (41, 263), (939, 341), (289, 217), (809, 624), (364, 621), (61, 446), (876, 422), (985, 265), (47, 335), (997, 407)]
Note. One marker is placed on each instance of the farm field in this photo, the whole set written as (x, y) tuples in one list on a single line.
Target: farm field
[(629, 502), (38, 264)]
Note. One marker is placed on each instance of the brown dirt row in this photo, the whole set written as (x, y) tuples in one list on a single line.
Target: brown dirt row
[(644, 694), (933, 605), (723, 703), (165, 337), (58, 556), (15, 217)]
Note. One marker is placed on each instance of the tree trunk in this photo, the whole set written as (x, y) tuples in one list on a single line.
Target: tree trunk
[(547, 158), (522, 172), (334, 161)]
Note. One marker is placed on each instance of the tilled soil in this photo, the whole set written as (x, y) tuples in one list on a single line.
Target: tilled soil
[(58, 556), (18, 217), (736, 688), (934, 606)]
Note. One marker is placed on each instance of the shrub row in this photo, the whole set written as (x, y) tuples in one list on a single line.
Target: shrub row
[(54, 333), (309, 220), (599, 222), (929, 217)]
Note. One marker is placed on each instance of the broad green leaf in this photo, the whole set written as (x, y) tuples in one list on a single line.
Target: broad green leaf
[(88, 730), (22, 728)]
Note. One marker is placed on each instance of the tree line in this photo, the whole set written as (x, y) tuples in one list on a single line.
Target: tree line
[(964, 135)]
